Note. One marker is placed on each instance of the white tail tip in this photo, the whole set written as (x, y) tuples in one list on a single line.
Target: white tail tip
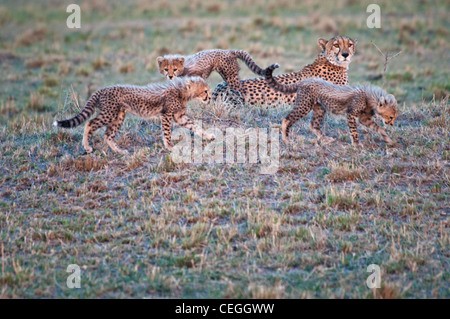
[(55, 123)]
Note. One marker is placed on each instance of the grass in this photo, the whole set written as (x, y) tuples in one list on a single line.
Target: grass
[(144, 226)]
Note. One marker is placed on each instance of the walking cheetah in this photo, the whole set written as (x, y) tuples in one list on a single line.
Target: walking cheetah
[(321, 96), (331, 65), (167, 100), (203, 63)]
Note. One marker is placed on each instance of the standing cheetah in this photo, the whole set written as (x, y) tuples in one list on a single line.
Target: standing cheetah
[(331, 65), (321, 96), (203, 63), (167, 100)]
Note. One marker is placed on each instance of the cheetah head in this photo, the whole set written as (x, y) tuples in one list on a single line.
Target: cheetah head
[(170, 66), (338, 50), (198, 89), (387, 109)]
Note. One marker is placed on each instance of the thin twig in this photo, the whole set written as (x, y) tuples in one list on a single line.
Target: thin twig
[(378, 49), (387, 58)]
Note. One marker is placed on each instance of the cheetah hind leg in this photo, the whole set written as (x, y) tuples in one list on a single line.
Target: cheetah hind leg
[(111, 132), (285, 127), (316, 124), (325, 140), (166, 124), (90, 128)]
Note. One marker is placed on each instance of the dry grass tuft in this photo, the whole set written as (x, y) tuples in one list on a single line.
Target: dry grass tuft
[(64, 68), (214, 8), (100, 63), (36, 102), (86, 163), (127, 67), (9, 108), (386, 292), (96, 5), (342, 173), (325, 25), (35, 63), (31, 36), (277, 291)]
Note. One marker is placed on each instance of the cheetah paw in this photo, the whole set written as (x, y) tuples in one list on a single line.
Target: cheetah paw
[(393, 145), (123, 152), (327, 140), (209, 137), (168, 147), (358, 146), (87, 151)]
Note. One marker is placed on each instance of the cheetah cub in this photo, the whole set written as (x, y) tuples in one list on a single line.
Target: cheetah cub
[(167, 100), (321, 96), (203, 63)]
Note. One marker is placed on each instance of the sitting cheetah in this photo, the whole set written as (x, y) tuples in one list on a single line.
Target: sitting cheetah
[(203, 63), (331, 65), (321, 96), (167, 100)]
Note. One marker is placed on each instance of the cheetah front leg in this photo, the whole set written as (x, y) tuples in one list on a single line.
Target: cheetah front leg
[(299, 111), (316, 124), (367, 121), (166, 124), (351, 119), (111, 132), (90, 128), (183, 120)]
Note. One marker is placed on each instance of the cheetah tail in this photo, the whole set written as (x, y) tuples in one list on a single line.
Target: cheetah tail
[(290, 88), (248, 60), (83, 115)]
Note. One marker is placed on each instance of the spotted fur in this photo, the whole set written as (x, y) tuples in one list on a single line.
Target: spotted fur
[(321, 96), (203, 63), (167, 100), (331, 65)]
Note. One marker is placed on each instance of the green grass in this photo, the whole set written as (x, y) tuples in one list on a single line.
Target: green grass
[(144, 226)]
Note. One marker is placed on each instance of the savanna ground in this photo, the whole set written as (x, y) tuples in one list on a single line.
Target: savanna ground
[(143, 226)]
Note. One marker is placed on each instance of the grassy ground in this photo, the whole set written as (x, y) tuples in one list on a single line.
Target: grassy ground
[(143, 226)]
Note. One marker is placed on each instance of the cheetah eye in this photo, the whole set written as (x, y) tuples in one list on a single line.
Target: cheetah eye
[(336, 45), (350, 44), (166, 69), (175, 70)]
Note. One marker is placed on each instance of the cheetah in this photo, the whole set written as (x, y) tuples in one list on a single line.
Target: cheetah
[(203, 63), (167, 100), (321, 96), (331, 65)]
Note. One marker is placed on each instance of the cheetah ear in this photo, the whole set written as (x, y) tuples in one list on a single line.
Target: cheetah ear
[(390, 98), (382, 101), (159, 59), (322, 43), (355, 41), (181, 60)]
